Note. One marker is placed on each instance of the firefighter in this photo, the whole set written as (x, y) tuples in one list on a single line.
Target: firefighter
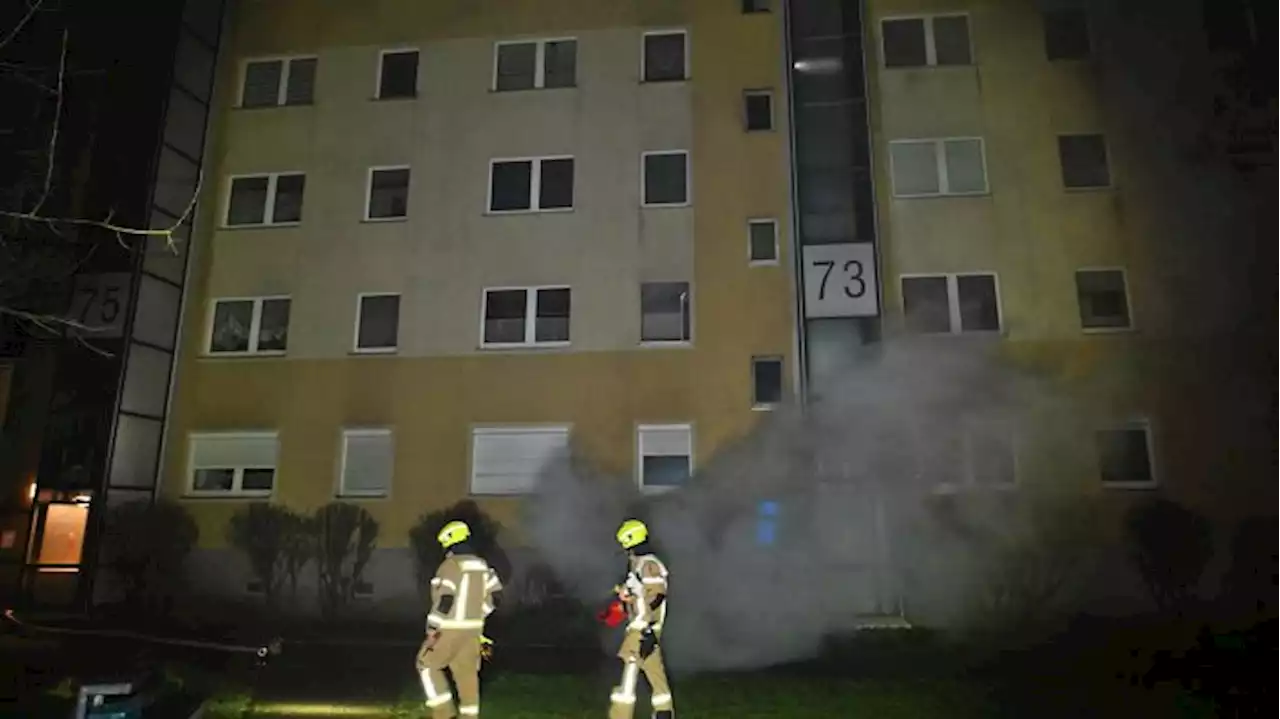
[(464, 593), (644, 593)]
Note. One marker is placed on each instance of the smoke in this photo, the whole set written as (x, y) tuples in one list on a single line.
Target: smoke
[(803, 528)]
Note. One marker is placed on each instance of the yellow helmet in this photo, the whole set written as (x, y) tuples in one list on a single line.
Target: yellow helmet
[(452, 533), (631, 533)]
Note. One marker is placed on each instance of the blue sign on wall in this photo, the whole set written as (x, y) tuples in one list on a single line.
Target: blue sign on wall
[(766, 523)]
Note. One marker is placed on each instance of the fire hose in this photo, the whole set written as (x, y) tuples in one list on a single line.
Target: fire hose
[(261, 651)]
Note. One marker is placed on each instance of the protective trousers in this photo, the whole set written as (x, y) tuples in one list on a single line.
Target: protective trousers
[(623, 701), (457, 650)]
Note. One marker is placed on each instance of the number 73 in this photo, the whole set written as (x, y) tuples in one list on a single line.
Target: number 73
[(852, 277)]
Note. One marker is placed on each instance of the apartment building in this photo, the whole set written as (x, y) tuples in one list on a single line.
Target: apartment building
[(450, 238)]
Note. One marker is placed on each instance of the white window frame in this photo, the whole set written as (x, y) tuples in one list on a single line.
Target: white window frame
[(268, 211), (255, 326), (341, 491), (640, 455), (756, 405), (930, 45), (688, 178), (773, 120), (530, 316), (667, 31), (968, 439), (940, 167), (368, 192), (535, 185), (476, 430), (1128, 299), (688, 308), (355, 335), (539, 62), (1135, 423), (953, 301), (283, 90), (1106, 152), (238, 478), (777, 256), (377, 78)]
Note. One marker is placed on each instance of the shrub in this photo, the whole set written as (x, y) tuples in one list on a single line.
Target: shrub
[(275, 540), (1249, 587), (145, 543), (427, 553), (346, 536), (1170, 546)]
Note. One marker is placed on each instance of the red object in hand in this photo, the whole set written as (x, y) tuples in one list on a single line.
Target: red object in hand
[(613, 615)]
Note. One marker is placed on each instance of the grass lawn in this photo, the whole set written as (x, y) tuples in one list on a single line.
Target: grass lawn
[(517, 696)]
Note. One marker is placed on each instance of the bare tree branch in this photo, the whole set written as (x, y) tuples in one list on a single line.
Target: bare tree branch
[(57, 121), (49, 321), (31, 11)]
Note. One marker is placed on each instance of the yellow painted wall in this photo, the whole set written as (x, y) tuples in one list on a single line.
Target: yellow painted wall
[(432, 401)]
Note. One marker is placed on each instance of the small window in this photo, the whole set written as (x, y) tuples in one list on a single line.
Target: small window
[(377, 323), (232, 463), (665, 56), (526, 316), (536, 184), (666, 178), (535, 64), (274, 199), (1066, 34), (1084, 161), (665, 312), (1104, 299), (763, 239), (759, 110), (249, 326), (928, 168), (368, 462), (666, 455), (950, 304), (941, 40), (766, 382), (508, 460), (755, 6), (398, 74), (270, 83), (1124, 456), (388, 197)]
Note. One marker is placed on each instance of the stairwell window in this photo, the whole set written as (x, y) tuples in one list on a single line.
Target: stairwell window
[(278, 81), (938, 167), (926, 41), (951, 304), (265, 200), (248, 326), (526, 316)]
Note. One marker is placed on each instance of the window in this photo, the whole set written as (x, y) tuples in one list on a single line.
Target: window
[(274, 199), (253, 325), (368, 462), (929, 168), (1103, 296), (233, 464), (939, 40), (766, 382), (664, 312), (377, 322), (397, 74), (508, 460), (665, 178), (762, 238), (1124, 456), (951, 304), (388, 197), (665, 57), (1084, 161), (665, 455), (285, 81), (759, 110), (754, 6), (535, 184), (1066, 34), (535, 64), (526, 316)]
